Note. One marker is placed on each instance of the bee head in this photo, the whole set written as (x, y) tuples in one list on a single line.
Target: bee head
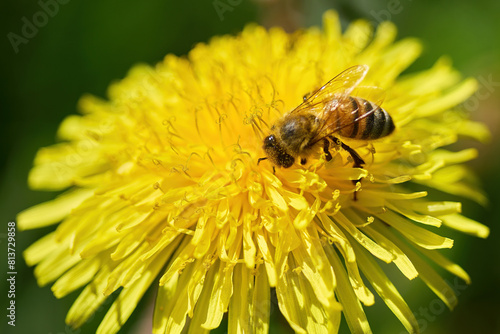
[(276, 153), (270, 142)]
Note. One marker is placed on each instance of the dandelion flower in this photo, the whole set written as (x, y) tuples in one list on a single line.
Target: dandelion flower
[(164, 188)]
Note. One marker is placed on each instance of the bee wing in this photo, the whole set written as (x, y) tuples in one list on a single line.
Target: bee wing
[(373, 94), (341, 85), (335, 121)]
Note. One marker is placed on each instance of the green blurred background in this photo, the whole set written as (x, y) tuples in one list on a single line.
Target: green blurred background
[(88, 44)]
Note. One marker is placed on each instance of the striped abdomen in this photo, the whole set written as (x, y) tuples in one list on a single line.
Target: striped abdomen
[(377, 124)]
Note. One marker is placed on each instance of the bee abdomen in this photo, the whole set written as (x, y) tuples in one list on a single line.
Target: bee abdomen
[(376, 125)]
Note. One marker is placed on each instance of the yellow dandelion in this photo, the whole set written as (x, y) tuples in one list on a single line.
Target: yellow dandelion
[(166, 187)]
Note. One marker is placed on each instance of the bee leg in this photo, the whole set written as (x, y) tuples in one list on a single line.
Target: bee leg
[(326, 146), (358, 161), (265, 158)]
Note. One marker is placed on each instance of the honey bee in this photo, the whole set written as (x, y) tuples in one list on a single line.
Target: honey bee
[(328, 112)]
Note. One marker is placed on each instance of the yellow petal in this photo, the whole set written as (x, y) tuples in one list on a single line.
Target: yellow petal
[(268, 256), (76, 277), (387, 291), (316, 270), (199, 315), (304, 218), (430, 277), (40, 249), (89, 300), (446, 264), (53, 211), (438, 208), (475, 130), (401, 208), (249, 248), (172, 303), (418, 235), (466, 225), (164, 303), (128, 299), (261, 303), (276, 198), (351, 307), (54, 265), (369, 244), (456, 96), (299, 305), (60, 166), (377, 232), (239, 307), (221, 293)]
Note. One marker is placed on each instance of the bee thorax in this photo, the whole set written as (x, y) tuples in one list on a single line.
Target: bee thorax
[(295, 132)]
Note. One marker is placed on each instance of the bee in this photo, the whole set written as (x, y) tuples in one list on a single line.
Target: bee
[(329, 112)]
